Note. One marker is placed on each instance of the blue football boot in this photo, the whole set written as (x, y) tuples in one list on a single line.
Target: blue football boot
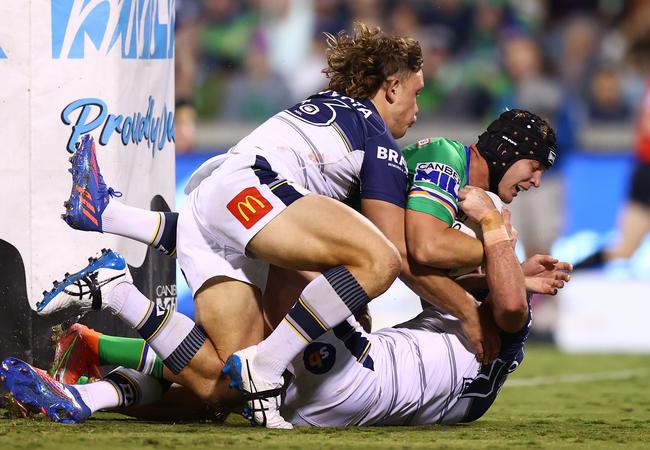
[(37, 392), (90, 195), (85, 288)]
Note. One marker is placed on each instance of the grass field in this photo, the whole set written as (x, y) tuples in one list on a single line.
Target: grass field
[(553, 401)]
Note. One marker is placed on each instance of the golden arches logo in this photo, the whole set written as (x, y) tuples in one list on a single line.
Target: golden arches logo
[(246, 203), (249, 206)]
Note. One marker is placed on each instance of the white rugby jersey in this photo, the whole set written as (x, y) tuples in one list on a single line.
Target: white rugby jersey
[(330, 144), (419, 372)]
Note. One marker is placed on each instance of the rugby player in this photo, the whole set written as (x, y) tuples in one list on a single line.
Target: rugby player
[(248, 208), (526, 173), (420, 372), (274, 189)]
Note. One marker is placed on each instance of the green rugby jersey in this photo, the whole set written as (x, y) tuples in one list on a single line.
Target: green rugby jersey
[(438, 168)]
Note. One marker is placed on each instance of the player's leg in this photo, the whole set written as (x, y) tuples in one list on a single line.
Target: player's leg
[(178, 403), (37, 392), (357, 263), (106, 284), (247, 206), (81, 351), (635, 225), (91, 206)]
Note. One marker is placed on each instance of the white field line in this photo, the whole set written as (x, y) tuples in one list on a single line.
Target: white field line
[(578, 378)]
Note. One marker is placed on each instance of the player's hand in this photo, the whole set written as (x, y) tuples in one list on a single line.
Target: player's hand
[(491, 339), (545, 274), (546, 266), (482, 334), (475, 203), (546, 286)]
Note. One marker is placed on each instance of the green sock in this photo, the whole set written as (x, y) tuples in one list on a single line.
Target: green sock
[(130, 352), (84, 380)]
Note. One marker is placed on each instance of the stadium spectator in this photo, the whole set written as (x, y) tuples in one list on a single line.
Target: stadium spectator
[(287, 27), (634, 222), (258, 92), (539, 216), (185, 64), (605, 99)]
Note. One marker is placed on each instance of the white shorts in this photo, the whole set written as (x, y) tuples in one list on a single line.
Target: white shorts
[(225, 211)]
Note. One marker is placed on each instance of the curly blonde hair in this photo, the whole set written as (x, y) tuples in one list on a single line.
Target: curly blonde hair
[(358, 64)]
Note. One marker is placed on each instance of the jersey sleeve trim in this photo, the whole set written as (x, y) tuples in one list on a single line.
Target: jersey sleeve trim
[(432, 194), (423, 203)]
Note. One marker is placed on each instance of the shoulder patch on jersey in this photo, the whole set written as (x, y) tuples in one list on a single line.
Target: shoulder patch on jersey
[(319, 357), (423, 142)]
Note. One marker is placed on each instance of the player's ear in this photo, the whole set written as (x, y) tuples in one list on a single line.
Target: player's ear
[(391, 84)]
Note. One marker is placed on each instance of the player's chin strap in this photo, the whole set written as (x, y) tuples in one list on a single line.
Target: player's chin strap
[(514, 136)]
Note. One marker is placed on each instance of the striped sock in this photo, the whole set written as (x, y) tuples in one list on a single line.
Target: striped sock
[(327, 301), (173, 336), (128, 221), (154, 228), (165, 238)]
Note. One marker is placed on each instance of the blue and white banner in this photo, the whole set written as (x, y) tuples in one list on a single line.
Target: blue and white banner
[(72, 68)]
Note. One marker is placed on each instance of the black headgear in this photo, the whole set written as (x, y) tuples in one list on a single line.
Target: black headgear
[(515, 135)]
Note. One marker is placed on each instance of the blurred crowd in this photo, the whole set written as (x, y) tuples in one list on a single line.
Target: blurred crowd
[(569, 60)]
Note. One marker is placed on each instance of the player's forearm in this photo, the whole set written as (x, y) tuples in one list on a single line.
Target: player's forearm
[(505, 278), (434, 286), (446, 249)]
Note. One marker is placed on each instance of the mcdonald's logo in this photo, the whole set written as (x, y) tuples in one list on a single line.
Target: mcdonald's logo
[(249, 206)]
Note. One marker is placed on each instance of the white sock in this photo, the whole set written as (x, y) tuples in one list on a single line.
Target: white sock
[(173, 336), (128, 303), (99, 395), (325, 302), (134, 223), (272, 354)]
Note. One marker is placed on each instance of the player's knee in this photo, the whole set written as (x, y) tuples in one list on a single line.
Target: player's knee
[(206, 391), (383, 265)]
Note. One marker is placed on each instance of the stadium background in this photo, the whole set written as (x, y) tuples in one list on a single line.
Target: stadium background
[(223, 51)]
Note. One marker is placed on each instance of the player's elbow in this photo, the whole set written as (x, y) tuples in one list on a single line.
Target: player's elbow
[(512, 315), (429, 253), (422, 254)]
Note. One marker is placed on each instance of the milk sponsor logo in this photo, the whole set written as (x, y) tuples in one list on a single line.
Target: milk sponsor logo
[(154, 127), (132, 29), (439, 174)]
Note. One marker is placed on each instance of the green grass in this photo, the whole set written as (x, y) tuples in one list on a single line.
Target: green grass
[(605, 413)]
